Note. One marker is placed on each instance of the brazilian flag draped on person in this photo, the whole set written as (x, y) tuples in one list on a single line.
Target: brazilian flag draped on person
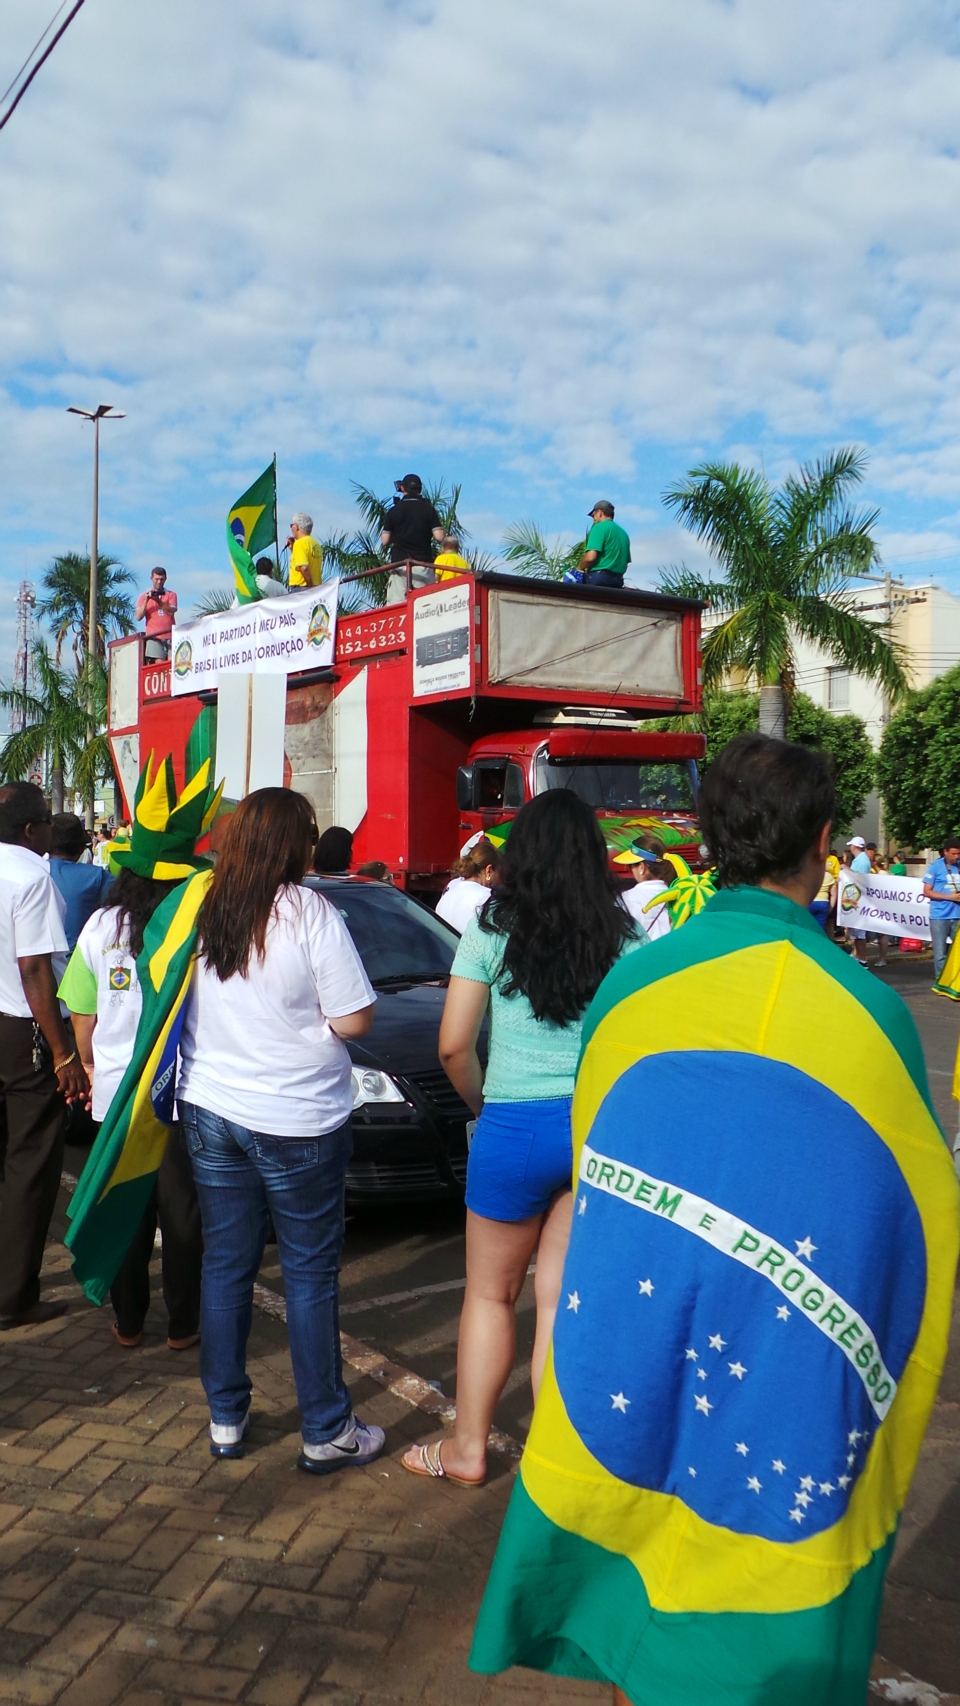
[(115, 1185), (251, 527), (751, 1327)]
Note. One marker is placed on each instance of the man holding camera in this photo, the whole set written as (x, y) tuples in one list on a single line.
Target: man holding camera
[(412, 524)]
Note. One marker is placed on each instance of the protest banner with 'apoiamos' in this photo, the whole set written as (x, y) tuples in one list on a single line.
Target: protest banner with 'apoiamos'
[(877, 901)]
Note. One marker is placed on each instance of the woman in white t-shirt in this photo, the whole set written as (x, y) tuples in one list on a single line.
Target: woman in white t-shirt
[(266, 1100), (102, 991), (648, 868), (472, 877)]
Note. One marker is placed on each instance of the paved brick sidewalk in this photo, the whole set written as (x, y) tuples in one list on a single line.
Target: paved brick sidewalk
[(135, 1569)]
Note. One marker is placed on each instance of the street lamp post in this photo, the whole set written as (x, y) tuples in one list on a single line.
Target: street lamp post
[(104, 411)]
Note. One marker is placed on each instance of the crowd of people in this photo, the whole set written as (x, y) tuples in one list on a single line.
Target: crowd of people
[(607, 1073)]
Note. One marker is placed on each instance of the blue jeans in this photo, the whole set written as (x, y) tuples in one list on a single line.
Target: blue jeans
[(602, 577), (240, 1176), (941, 929)]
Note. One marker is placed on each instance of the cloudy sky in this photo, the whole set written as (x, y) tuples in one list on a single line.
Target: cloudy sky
[(557, 251)]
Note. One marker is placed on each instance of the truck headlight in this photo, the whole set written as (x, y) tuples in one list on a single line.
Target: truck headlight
[(369, 1085)]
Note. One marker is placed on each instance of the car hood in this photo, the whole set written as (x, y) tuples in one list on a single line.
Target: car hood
[(404, 1036)]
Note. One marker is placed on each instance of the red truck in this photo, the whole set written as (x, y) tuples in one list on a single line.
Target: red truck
[(445, 710)]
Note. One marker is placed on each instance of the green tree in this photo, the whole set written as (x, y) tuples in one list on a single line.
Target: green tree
[(57, 729), (843, 739), (786, 556), (530, 553), (65, 601), (918, 766)]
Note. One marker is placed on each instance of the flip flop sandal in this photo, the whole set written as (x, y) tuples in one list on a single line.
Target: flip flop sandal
[(429, 1462), (128, 1341)]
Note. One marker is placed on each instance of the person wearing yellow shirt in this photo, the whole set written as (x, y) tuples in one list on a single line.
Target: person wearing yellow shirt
[(450, 562), (826, 898), (306, 556)]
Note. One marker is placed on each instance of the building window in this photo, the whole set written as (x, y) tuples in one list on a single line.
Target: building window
[(838, 689)]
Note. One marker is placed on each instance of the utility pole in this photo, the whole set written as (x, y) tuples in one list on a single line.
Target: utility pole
[(104, 411), (23, 667)]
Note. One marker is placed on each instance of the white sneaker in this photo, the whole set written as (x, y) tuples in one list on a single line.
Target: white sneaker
[(226, 1438), (357, 1444)]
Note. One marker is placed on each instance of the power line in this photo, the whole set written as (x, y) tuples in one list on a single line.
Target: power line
[(18, 97), (17, 76)]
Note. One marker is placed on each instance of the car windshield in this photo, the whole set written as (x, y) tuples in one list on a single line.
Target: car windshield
[(397, 940), (624, 784)]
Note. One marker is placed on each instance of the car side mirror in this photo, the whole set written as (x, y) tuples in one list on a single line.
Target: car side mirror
[(465, 788)]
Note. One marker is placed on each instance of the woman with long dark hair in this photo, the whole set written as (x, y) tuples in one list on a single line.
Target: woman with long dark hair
[(536, 954), (102, 990), (266, 1102)]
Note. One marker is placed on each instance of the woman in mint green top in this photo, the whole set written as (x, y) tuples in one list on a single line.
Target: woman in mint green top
[(534, 955)]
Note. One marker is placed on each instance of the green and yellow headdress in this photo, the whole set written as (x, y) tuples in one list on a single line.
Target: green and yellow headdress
[(167, 826)]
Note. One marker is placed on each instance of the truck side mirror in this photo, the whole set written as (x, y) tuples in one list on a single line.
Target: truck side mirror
[(465, 788)]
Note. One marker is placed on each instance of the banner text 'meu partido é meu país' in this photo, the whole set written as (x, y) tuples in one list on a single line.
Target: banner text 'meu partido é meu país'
[(876, 901), (275, 636)]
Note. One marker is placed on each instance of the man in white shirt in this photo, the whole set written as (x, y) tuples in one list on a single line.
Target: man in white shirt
[(39, 1069)]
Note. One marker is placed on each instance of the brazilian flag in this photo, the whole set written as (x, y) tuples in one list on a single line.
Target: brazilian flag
[(251, 527), (116, 1182), (751, 1328)]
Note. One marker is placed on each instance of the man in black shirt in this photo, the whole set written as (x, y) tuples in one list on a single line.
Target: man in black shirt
[(411, 525)]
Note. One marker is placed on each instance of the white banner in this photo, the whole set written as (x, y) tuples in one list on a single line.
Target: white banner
[(875, 901), (275, 636), (441, 640)]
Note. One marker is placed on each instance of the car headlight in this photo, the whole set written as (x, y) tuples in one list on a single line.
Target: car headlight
[(369, 1085)]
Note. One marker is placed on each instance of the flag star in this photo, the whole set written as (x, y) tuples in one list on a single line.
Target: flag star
[(716, 1343), (753, 1484), (853, 1436), (691, 1356), (778, 1466), (802, 1498), (797, 1515), (806, 1482), (703, 1404), (851, 1457), (843, 1481), (827, 1487), (783, 1313), (805, 1248), (573, 1301), (692, 1471), (741, 1448), (738, 1369), (582, 1206), (701, 1374), (646, 1288), (619, 1402)]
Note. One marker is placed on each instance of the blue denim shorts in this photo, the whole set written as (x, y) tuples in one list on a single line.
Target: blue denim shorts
[(521, 1156)]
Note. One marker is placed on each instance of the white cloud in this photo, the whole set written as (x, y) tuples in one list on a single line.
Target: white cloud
[(541, 242)]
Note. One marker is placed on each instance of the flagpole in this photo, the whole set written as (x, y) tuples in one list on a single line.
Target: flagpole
[(276, 529)]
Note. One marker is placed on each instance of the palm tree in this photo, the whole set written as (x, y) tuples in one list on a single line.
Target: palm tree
[(787, 556), (65, 600), (214, 602), (57, 728), (527, 549)]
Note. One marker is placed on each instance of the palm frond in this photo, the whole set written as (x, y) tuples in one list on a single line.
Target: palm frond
[(214, 602), (529, 553), (851, 640), (728, 507)]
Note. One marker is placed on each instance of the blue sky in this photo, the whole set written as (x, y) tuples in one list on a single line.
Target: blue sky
[(556, 251)]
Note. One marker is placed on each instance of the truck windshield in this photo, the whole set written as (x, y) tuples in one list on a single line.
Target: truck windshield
[(397, 940), (623, 784)]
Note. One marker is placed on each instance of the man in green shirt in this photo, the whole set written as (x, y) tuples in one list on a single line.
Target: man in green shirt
[(604, 562)]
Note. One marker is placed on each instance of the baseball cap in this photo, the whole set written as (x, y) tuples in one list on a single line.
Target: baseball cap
[(857, 841), (603, 505)]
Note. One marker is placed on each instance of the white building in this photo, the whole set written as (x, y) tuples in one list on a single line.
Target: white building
[(926, 620)]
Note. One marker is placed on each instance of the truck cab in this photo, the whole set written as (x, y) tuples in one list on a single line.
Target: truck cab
[(639, 783)]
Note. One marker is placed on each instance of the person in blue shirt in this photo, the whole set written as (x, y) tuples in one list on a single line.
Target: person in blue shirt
[(941, 885), (860, 861), (83, 888)]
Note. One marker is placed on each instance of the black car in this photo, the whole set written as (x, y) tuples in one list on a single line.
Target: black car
[(409, 1123)]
